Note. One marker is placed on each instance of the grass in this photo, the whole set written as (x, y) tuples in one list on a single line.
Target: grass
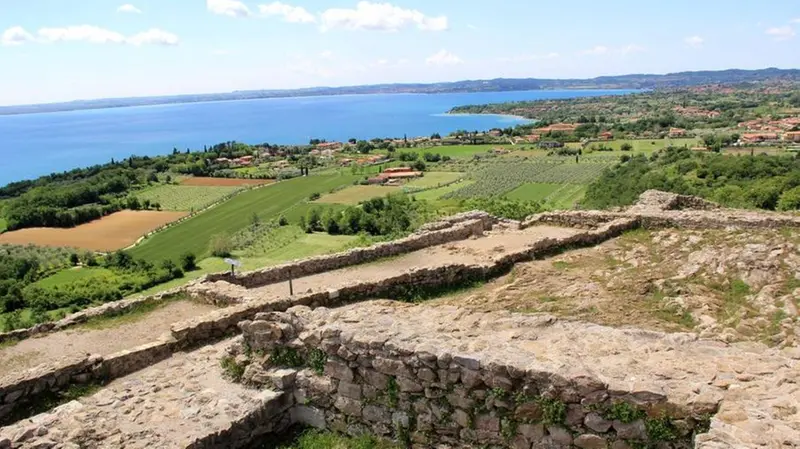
[(464, 151), (3, 225), (558, 196), (435, 194), (433, 179), (644, 145), (72, 275), (355, 194), (193, 235), (181, 198), (330, 440)]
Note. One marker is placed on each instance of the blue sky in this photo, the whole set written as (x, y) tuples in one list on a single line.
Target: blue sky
[(57, 50)]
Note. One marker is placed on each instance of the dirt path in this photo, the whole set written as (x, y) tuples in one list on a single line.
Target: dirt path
[(69, 343), (476, 250)]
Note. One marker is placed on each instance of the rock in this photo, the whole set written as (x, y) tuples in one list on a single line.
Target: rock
[(349, 390), (588, 441), (529, 411), (597, 423), (559, 435), (308, 416), (462, 418), (487, 423), (374, 413), (5, 443), (338, 370), (620, 444), (348, 406), (631, 431)]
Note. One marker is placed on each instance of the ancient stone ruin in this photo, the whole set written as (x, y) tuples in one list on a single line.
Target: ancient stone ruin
[(356, 349)]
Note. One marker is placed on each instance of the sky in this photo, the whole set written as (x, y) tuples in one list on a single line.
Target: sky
[(61, 50)]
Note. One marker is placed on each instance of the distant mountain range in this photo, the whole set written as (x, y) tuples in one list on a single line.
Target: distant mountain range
[(641, 81)]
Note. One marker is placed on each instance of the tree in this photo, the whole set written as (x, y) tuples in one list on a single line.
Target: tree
[(188, 261), (418, 165), (626, 147), (221, 245), (364, 147), (313, 223), (74, 259), (282, 221)]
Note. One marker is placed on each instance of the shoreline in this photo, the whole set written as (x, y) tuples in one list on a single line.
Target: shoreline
[(517, 117)]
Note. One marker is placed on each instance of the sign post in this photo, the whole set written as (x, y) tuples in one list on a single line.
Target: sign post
[(233, 263)]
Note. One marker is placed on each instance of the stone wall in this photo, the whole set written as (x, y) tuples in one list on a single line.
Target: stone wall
[(457, 227), (23, 388), (427, 396), (107, 309)]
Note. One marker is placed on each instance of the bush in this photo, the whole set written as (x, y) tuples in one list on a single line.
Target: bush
[(73, 259), (221, 245), (626, 147), (790, 199), (314, 196), (188, 261), (282, 221)]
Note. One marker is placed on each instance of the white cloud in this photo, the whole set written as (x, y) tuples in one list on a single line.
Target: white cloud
[(154, 36), (129, 9), (632, 48), (526, 58), (327, 54), (381, 17), (443, 57), (83, 33), (16, 36), (291, 14), (87, 33), (597, 50), (694, 41), (472, 27), (221, 52), (781, 33), (231, 8), (797, 20)]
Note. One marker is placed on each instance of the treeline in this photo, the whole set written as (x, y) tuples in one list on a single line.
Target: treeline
[(124, 275), (761, 181), (389, 216)]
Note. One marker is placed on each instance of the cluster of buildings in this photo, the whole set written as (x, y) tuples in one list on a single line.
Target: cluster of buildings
[(770, 130), (393, 176), (244, 161), (692, 111)]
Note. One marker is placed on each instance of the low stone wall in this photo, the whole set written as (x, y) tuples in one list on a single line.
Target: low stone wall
[(107, 309), (224, 322), (426, 396), (18, 390), (457, 227)]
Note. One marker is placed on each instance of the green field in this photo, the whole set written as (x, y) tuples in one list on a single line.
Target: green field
[(433, 179), (557, 196), (72, 275), (356, 194), (644, 145), (228, 218), (466, 151), (435, 194), (178, 197)]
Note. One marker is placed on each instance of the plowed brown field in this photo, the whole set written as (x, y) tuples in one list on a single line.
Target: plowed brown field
[(112, 232), (224, 182)]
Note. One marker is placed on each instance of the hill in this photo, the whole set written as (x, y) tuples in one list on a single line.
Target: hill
[(632, 81)]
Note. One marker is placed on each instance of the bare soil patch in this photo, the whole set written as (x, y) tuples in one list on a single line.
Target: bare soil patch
[(224, 182), (75, 342), (730, 285), (112, 232)]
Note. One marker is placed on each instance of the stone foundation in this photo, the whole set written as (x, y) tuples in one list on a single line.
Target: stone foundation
[(462, 379)]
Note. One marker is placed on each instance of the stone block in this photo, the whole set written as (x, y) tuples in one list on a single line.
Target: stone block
[(348, 406), (559, 435), (457, 400), (376, 414), (588, 441), (533, 432), (487, 423), (349, 390), (529, 411), (391, 367), (408, 385), (282, 379), (631, 431), (374, 378), (338, 370), (597, 423), (468, 362), (401, 420), (462, 418), (427, 375)]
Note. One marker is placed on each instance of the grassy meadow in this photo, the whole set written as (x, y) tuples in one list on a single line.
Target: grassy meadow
[(268, 203), (355, 194), (185, 198)]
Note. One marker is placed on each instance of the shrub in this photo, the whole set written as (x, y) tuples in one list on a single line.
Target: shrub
[(314, 196), (626, 147), (73, 259), (188, 261), (790, 199), (221, 245), (282, 221)]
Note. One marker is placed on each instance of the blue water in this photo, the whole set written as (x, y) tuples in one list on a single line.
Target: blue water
[(38, 144)]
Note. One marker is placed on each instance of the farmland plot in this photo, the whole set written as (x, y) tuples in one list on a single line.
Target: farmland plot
[(186, 197)]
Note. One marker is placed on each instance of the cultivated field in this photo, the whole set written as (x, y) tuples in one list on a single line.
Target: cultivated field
[(433, 179), (646, 145), (498, 179), (185, 197), (559, 196), (112, 232), (356, 194), (224, 182), (466, 151), (231, 216)]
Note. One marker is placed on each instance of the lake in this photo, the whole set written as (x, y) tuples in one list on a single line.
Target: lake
[(37, 144)]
